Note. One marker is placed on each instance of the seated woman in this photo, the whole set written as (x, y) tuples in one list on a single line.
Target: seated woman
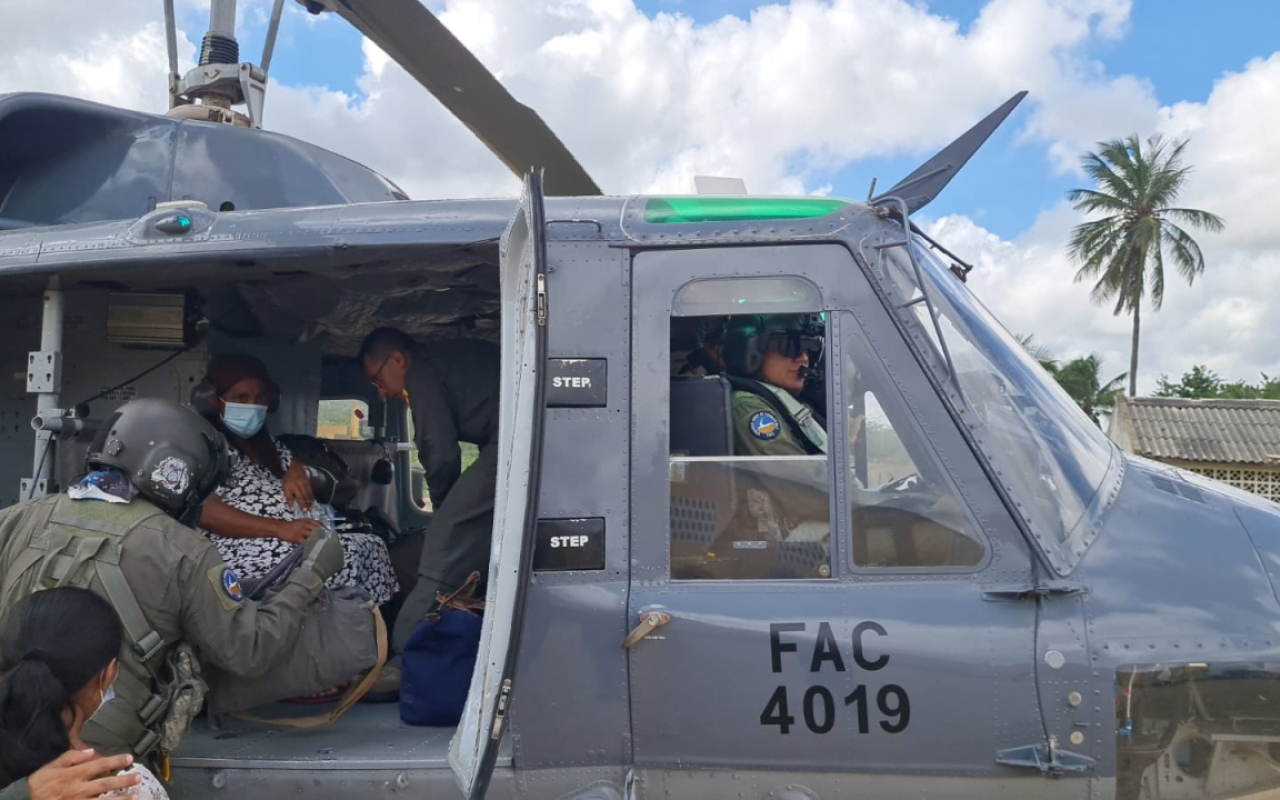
[(260, 512), (59, 655)]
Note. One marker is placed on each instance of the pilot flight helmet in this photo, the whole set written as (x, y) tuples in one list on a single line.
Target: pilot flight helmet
[(749, 338), (172, 455)]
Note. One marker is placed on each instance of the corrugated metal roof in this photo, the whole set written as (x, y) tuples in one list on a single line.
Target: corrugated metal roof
[(1229, 431)]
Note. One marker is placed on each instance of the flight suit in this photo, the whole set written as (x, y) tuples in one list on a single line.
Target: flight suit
[(181, 586), (760, 429), (788, 500), (453, 395)]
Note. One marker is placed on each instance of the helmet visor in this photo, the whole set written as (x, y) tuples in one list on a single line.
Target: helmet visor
[(791, 344)]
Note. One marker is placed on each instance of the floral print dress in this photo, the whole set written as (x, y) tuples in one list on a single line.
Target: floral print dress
[(252, 488)]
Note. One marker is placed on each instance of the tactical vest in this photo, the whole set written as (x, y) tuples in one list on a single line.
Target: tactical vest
[(81, 546), (807, 428)]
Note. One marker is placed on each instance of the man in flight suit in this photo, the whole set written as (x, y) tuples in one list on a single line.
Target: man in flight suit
[(452, 391), (122, 532)]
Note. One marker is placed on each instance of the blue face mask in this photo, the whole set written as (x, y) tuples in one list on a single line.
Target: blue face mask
[(242, 419), (107, 697)]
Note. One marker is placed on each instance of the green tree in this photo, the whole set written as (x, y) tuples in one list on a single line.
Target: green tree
[(1124, 249), (1039, 352), (1082, 379), (1199, 382), (1202, 382)]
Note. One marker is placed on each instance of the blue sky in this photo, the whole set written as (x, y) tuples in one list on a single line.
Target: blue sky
[(1180, 46)]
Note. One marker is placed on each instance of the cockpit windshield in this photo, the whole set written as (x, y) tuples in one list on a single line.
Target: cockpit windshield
[(1050, 457)]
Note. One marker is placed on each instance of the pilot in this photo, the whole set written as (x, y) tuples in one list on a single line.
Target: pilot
[(706, 359), (767, 359), (122, 532), (452, 391)]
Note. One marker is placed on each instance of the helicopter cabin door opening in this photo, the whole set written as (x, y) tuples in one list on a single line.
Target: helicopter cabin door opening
[(474, 750), (146, 322), (815, 607)]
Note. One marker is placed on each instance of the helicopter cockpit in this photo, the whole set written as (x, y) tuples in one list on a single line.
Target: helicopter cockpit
[(1053, 461), (739, 515)]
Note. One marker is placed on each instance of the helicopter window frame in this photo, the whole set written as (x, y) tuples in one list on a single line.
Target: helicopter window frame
[(742, 296), (861, 366), (1023, 424)]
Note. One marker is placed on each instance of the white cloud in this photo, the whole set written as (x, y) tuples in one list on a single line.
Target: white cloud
[(778, 99), (1225, 320), (781, 99)]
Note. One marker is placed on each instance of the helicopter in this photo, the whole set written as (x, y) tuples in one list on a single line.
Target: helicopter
[(993, 600)]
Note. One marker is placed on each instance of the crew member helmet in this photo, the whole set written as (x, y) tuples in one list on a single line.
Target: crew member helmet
[(171, 454), (748, 338)]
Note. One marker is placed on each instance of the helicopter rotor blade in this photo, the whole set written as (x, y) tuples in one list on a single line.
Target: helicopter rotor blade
[(919, 188), (413, 37)]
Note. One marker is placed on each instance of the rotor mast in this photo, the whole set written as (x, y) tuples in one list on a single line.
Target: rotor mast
[(220, 80)]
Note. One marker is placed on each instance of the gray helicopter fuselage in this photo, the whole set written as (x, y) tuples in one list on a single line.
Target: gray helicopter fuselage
[(1069, 621)]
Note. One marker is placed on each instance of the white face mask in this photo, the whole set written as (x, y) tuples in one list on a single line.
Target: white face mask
[(107, 697)]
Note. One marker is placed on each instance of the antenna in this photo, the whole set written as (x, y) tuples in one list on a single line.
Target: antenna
[(220, 80)]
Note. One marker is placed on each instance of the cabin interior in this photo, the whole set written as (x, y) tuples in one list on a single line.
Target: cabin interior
[(136, 330)]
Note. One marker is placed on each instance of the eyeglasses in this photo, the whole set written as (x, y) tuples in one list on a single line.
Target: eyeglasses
[(376, 379)]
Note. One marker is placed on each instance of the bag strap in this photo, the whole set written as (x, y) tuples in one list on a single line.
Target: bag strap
[(349, 698), (468, 603)]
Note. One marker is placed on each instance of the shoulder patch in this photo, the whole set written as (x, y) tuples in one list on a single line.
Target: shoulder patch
[(227, 586), (764, 425), (231, 584)]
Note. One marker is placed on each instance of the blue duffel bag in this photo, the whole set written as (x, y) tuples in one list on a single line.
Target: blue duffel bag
[(439, 658)]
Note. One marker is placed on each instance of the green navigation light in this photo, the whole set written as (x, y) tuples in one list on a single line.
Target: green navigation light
[(663, 210)]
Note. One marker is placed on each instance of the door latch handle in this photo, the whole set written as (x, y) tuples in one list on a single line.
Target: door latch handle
[(649, 622)]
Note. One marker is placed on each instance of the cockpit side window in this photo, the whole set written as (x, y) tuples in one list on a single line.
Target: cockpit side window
[(904, 511), (749, 463)]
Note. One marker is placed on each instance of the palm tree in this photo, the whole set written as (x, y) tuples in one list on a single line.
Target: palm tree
[(1125, 249), (1039, 352), (1082, 379)]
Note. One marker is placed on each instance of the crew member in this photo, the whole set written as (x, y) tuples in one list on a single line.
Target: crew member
[(452, 390), (122, 532), (706, 359), (767, 359)]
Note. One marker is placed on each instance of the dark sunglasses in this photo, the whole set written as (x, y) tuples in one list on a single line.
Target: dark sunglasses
[(791, 344)]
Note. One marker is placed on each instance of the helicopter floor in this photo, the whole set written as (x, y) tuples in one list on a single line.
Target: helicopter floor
[(370, 736)]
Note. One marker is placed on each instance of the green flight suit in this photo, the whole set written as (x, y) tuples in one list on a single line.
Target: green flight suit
[(797, 492), (453, 394), (760, 430), (18, 790), (181, 586)]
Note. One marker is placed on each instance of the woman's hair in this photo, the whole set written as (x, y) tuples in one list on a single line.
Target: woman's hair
[(225, 372), (52, 644)]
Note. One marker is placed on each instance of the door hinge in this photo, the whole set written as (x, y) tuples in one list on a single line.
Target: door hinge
[(1026, 591), (1047, 758), (542, 299), (500, 714)]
